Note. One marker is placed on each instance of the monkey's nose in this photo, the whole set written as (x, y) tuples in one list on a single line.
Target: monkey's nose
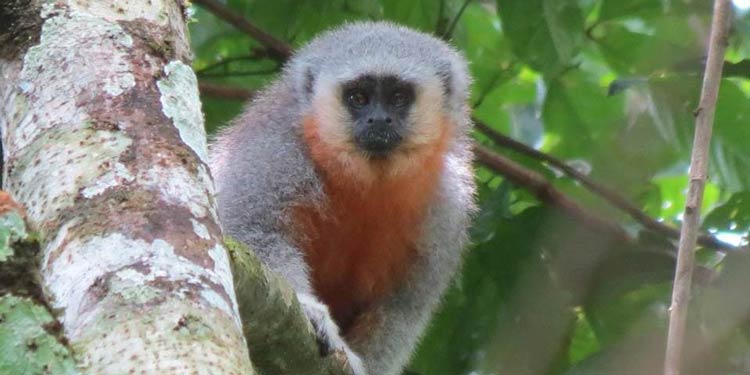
[(378, 136), (387, 120)]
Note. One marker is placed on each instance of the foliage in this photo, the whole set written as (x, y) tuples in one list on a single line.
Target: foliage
[(609, 86)]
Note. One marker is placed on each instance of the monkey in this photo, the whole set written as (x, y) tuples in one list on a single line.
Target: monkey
[(351, 177)]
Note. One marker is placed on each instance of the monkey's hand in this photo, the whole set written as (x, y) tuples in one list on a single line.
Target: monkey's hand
[(327, 331)]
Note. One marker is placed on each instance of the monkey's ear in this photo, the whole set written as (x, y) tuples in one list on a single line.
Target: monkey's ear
[(453, 73), (304, 80), (309, 82), (445, 73)]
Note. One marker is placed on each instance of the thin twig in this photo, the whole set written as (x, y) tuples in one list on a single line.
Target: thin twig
[(449, 32), (704, 117), (259, 72), (224, 62), (537, 185), (276, 48), (608, 194), (488, 89), (226, 92), (441, 20)]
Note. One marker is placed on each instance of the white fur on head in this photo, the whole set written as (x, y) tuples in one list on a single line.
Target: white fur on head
[(381, 48)]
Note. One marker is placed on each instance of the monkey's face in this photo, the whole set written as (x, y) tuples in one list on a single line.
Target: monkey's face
[(379, 107), (375, 123)]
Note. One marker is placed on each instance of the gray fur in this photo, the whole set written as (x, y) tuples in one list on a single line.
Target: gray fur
[(380, 47), (261, 167)]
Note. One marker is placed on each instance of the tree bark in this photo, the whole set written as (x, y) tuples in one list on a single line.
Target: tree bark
[(104, 146), (704, 118)]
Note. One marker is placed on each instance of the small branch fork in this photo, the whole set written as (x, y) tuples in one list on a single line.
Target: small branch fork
[(523, 177), (704, 117)]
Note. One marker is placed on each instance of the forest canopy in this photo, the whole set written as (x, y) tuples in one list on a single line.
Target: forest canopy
[(570, 271), (584, 112)]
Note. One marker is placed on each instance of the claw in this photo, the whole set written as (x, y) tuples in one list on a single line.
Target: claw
[(327, 332)]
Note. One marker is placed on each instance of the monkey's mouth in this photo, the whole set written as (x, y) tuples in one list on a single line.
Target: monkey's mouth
[(377, 140)]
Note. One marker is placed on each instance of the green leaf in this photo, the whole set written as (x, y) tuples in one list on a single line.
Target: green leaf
[(732, 216), (578, 110), (419, 14), (492, 270), (672, 190), (730, 159), (650, 9), (481, 40), (639, 53), (545, 34), (627, 8), (640, 310), (584, 341), (640, 37), (499, 105)]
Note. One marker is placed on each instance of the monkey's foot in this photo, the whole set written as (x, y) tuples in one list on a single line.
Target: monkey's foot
[(327, 331)]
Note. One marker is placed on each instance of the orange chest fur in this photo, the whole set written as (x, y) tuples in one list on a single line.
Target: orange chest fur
[(360, 244)]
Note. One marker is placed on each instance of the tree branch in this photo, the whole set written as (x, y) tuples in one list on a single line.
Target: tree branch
[(259, 72), (223, 63), (454, 22), (115, 181), (226, 92), (277, 48), (537, 185), (704, 117), (271, 315), (738, 69), (608, 194)]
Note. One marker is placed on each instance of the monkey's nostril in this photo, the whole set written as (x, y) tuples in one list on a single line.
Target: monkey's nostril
[(388, 120), (369, 121)]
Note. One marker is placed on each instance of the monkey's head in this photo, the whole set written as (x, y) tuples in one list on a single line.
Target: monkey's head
[(378, 92)]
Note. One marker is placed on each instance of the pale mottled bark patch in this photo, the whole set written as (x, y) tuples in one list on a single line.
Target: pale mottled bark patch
[(179, 93), (104, 146)]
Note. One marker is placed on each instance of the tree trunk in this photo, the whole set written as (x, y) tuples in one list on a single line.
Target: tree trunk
[(104, 146)]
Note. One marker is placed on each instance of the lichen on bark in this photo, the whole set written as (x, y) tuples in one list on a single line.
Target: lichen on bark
[(28, 342), (104, 147)]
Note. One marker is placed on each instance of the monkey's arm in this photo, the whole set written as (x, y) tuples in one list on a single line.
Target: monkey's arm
[(386, 335), (261, 170)]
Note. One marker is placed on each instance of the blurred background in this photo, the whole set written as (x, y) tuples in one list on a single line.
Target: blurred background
[(584, 113)]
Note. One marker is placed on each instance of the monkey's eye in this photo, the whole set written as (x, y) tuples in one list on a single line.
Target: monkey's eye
[(358, 98), (399, 99)]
